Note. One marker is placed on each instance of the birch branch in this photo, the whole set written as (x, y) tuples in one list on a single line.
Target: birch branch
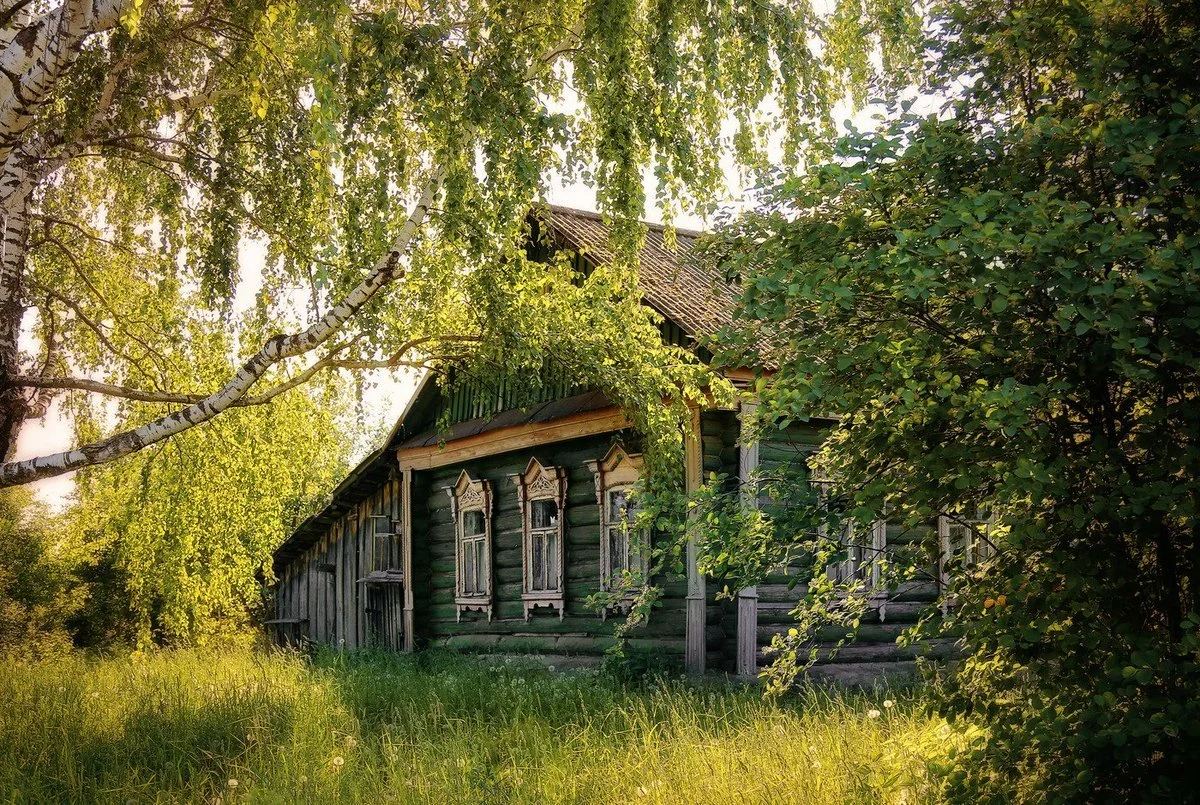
[(276, 349)]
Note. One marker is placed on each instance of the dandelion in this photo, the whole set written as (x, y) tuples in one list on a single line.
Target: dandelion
[(888, 704), (303, 779), (873, 713), (351, 742), (816, 764), (233, 783), (338, 762)]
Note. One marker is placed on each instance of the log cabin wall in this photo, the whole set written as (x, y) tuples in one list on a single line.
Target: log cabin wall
[(580, 630), (874, 652)]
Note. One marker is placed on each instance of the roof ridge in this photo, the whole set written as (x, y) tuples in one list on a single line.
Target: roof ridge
[(596, 216)]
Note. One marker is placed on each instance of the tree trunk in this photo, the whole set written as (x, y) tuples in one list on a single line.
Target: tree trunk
[(13, 405)]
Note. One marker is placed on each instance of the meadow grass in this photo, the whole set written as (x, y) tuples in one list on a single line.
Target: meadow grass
[(256, 726)]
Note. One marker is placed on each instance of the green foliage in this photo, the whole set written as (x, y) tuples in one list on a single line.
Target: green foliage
[(435, 727), (1000, 304), (188, 528), (310, 126), (40, 589)]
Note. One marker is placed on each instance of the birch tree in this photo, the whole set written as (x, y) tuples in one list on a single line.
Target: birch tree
[(377, 150)]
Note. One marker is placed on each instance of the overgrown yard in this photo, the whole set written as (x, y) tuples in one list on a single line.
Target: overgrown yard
[(266, 727)]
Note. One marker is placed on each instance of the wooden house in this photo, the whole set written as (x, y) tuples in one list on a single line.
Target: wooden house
[(491, 534)]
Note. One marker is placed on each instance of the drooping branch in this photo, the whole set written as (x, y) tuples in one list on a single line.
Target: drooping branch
[(329, 361), (386, 269)]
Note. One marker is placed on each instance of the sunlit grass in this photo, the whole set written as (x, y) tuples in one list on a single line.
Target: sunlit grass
[(263, 727)]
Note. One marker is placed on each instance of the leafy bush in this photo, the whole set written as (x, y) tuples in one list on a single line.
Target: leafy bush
[(1001, 305), (39, 588)]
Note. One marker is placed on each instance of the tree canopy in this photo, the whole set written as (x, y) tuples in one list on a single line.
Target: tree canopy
[(378, 150), (999, 304)]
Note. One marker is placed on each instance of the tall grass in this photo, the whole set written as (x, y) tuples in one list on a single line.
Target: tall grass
[(268, 727)]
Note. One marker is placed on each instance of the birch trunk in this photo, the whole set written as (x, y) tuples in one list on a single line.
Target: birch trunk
[(13, 406)]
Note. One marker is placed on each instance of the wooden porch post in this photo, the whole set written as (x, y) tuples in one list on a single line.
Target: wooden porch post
[(406, 534), (747, 599), (696, 603)]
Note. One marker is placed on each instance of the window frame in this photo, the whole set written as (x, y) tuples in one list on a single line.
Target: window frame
[(959, 536), (541, 483), (466, 496), (618, 471)]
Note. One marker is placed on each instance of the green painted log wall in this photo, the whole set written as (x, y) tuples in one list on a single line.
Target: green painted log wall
[(581, 630)]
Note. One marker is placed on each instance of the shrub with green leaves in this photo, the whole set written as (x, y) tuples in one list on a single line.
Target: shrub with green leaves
[(1001, 303)]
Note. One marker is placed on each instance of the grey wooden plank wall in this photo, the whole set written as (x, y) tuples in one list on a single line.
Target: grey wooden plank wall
[(321, 587)]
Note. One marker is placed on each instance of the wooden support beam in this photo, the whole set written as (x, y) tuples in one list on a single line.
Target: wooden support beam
[(696, 605), (406, 563), (747, 599), (516, 437)]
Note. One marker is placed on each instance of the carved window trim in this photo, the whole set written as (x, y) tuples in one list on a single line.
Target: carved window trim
[(541, 483), (466, 496), (618, 471), (964, 540)]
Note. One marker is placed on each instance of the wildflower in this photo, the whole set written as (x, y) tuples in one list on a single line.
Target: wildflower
[(888, 704), (338, 762), (1001, 600), (989, 603), (303, 779), (873, 713), (351, 742), (816, 764), (233, 783)]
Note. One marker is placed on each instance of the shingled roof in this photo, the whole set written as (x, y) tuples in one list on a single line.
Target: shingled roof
[(673, 281)]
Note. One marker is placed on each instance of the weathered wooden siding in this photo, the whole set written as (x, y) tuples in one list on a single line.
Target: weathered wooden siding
[(874, 651), (581, 630), (322, 589)]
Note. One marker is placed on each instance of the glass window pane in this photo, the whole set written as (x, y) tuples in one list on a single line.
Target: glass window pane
[(543, 514), (472, 523), (537, 571), (618, 503), (480, 567), (468, 567), (616, 550), (552, 561)]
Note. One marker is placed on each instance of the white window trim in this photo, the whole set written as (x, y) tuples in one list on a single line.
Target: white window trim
[(539, 482), (469, 495), (972, 550), (617, 471), (863, 562)]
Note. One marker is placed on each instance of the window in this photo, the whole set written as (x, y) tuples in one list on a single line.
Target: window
[(471, 504), (542, 493), (965, 540), (623, 540), (623, 549), (864, 549), (385, 543)]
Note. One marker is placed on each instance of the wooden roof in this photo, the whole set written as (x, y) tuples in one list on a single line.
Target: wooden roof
[(673, 281)]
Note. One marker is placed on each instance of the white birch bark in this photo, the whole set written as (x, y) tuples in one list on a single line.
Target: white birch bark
[(12, 265)]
